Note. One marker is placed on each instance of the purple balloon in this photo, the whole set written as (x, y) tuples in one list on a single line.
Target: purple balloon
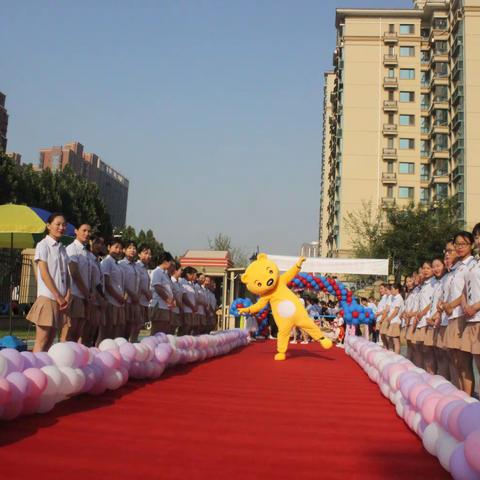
[(459, 467), (448, 409), (469, 419), (18, 386), (163, 352), (14, 360), (128, 351), (446, 388), (407, 384), (43, 359), (423, 395), (29, 360)]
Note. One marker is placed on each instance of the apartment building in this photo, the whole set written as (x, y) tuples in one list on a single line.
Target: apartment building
[(112, 185), (401, 113), (3, 123)]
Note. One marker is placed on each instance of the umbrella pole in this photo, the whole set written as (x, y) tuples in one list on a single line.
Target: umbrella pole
[(10, 310)]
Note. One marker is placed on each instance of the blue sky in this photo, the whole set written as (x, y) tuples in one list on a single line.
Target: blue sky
[(212, 109)]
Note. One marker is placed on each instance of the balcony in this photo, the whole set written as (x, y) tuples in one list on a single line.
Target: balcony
[(390, 106), (390, 60), (425, 153), (390, 82), (440, 176), (390, 129), (457, 173), (438, 128), (425, 178), (388, 201), (339, 132), (457, 94), (389, 178), (390, 37), (440, 152), (389, 154), (424, 107), (338, 182), (457, 48)]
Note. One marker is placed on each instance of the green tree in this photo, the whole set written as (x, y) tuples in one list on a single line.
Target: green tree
[(128, 233), (223, 242)]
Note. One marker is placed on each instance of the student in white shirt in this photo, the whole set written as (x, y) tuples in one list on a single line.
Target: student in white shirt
[(394, 318), (144, 259), (79, 267), (114, 290), (422, 308), (189, 275), (201, 300), (53, 289), (471, 306), (163, 300), (431, 329), (210, 284), (131, 276), (177, 325), (96, 315), (409, 285), (382, 312), (463, 242)]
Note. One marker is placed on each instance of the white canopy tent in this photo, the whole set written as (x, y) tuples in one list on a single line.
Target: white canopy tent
[(359, 266)]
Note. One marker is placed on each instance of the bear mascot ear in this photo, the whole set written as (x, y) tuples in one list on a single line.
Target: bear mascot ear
[(262, 256), (244, 278)]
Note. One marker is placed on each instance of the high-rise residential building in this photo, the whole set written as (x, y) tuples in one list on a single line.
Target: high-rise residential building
[(3, 123), (401, 113), (16, 157), (112, 185)]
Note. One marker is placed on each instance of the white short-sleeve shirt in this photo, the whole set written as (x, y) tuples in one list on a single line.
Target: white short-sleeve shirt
[(160, 277), (131, 277), (458, 284), (96, 276), (212, 299), (144, 282), (189, 291), (177, 294), (200, 298), (111, 269), (78, 253), (397, 302), (382, 304), (425, 297), (446, 282), (472, 288), (54, 254), (436, 296)]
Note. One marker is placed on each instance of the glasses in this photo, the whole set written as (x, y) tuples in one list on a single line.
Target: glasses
[(449, 250), (461, 245)]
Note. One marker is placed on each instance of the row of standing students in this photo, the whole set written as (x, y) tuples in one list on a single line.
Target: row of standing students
[(86, 297), (440, 317)]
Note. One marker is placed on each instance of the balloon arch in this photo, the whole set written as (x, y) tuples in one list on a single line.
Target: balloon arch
[(352, 312)]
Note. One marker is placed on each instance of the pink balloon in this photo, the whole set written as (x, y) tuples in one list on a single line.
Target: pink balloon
[(415, 391), (5, 393), (117, 356), (43, 359), (428, 407), (452, 422), (106, 360), (30, 405), (128, 350), (37, 382), (472, 450), (448, 410), (18, 385), (446, 388), (441, 405), (423, 395)]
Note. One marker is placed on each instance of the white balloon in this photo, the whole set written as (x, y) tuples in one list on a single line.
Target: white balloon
[(108, 344), (446, 444), (62, 354), (54, 380), (120, 341), (47, 402), (430, 438)]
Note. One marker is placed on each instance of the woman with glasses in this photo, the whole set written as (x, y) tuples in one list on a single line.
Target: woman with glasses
[(452, 306)]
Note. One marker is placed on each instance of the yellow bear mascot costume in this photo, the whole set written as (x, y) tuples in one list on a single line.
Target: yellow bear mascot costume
[(263, 278)]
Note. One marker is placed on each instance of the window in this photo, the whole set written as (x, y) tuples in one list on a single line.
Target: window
[(55, 161), (406, 167), (389, 191), (425, 148), (441, 142), (441, 69), (407, 73), (424, 124), (424, 101), (391, 73), (391, 28), (407, 29), (441, 167), (405, 192), (407, 97), (441, 93), (407, 143), (425, 33), (407, 120), (424, 195), (407, 51), (441, 190), (390, 143), (390, 167), (441, 117), (424, 78), (425, 56), (441, 47), (391, 95), (424, 172), (440, 24)]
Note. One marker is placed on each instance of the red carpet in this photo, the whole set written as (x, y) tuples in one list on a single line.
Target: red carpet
[(242, 416)]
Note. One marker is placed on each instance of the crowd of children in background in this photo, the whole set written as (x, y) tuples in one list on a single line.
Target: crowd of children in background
[(87, 293)]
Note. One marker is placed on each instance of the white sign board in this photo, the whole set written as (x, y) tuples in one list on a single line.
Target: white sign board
[(359, 266)]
